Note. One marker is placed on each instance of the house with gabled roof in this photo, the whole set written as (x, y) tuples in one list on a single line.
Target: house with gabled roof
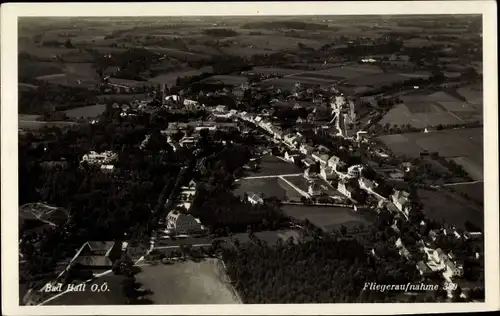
[(401, 200)]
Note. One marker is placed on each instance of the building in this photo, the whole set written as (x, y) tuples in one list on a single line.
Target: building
[(291, 140), (210, 128), (347, 188), (95, 255), (187, 141), (366, 184), (306, 149), (221, 108), (354, 171), (328, 173), (433, 234), (308, 162), (320, 157), (333, 162), (182, 223), (402, 201), (311, 172), (313, 189), (100, 158), (292, 156), (255, 199), (174, 98), (403, 251), (423, 268), (108, 168)]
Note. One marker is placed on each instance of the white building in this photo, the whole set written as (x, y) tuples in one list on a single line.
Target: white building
[(333, 162), (210, 128), (100, 158), (172, 98), (181, 223), (255, 199), (321, 158), (366, 184), (401, 201), (188, 102), (107, 168), (354, 171), (306, 149), (403, 251), (328, 173), (291, 140)]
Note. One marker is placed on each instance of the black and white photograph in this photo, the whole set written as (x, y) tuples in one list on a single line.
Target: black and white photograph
[(250, 159)]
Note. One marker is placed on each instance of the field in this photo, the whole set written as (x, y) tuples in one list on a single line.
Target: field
[(376, 80), (269, 187), (451, 208), (225, 79), (31, 69), (419, 115), (121, 97), (114, 295), (273, 42), (427, 110), (279, 71), (474, 190), (35, 125), (169, 78), (86, 111), (188, 282), (67, 74), (270, 165), (327, 218), (327, 75), (465, 146)]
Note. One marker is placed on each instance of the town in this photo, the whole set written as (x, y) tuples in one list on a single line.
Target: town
[(296, 176)]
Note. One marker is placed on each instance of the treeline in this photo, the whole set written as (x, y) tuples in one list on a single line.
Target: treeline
[(50, 97), (220, 32), (298, 25)]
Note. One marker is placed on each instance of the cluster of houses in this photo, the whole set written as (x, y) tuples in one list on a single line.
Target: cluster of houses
[(191, 132), (435, 261), (104, 160)]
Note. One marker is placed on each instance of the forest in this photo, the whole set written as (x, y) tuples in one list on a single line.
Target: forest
[(49, 97), (332, 269)]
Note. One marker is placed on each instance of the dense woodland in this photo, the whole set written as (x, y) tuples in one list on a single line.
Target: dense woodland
[(328, 270)]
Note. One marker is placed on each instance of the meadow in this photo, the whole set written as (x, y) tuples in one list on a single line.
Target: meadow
[(203, 282), (465, 146), (450, 208), (86, 111), (327, 218)]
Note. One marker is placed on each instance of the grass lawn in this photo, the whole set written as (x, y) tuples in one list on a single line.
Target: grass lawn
[(450, 208), (86, 111), (474, 190), (465, 146), (269, 187), (188, 283), (270, 165), (327, 218)]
